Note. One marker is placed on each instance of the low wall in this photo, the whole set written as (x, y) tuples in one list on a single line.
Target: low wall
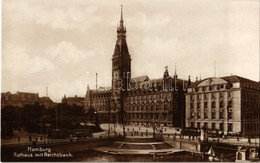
[(192, 146)]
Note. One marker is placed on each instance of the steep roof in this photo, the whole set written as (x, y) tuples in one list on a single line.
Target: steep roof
[(139, 80), (229, 79), (45, 99), (235, 78), (27, 93)]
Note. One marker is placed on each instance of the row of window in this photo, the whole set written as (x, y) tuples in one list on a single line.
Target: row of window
[(250, 86), (213, 114), (212, 87), (101, 95), (106, 102), (147, 116), (252, 115), (149, 97), (102, 108), (250, 96), (164, 107), (213, 104), (214, 126), (248, 104), (251, 127), (211, 96)]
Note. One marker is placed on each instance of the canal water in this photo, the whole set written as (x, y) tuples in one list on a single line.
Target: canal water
[(93, 156)]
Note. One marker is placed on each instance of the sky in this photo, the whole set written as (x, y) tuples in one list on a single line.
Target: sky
[(62, 44)]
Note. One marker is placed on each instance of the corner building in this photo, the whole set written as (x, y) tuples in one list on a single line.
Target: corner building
[(229, 104), (138, 100)]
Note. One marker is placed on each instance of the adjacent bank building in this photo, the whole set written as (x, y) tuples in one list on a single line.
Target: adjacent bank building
[(138, 100), (229, 104)]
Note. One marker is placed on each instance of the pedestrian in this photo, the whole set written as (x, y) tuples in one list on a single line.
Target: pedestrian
[(249, 140), (237, 138)]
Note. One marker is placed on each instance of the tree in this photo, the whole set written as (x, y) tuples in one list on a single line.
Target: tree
[(92, 116)]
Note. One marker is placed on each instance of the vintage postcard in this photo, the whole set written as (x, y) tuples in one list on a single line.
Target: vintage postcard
[(130, 81)]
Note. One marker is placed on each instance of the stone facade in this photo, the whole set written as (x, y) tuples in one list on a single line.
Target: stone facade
[(228, 104)]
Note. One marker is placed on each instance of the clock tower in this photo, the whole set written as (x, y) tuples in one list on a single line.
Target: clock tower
[(121, 73)]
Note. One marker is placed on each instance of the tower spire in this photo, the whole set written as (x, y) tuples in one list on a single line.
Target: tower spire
[(121, 12), (175, 71), (121, 19), (121, 29)]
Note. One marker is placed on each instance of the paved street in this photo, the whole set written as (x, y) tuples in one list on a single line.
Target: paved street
[(169, 132), (39, 139), (131, 131)]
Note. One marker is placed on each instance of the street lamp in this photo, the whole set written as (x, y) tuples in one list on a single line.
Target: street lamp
[(95, 113), (109, 111), (56, 112), (124, 131), (154, 124)]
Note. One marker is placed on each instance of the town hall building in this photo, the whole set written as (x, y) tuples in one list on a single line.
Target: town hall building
[(138, 100)]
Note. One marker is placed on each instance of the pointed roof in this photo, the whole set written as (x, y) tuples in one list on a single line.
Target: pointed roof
[(121, 28), (166, 73), (140, 79), (121, 47)]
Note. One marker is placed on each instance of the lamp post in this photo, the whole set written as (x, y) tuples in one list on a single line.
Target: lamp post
[(56, 112), (124, 131), (154, 126), (109, 111), (114, 120), (114, 116), (95, 113)]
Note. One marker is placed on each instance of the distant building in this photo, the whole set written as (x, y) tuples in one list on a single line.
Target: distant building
[(73, 100), (138, 100), (18, 99), (229, 104), (47, 102), (24, 98)]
